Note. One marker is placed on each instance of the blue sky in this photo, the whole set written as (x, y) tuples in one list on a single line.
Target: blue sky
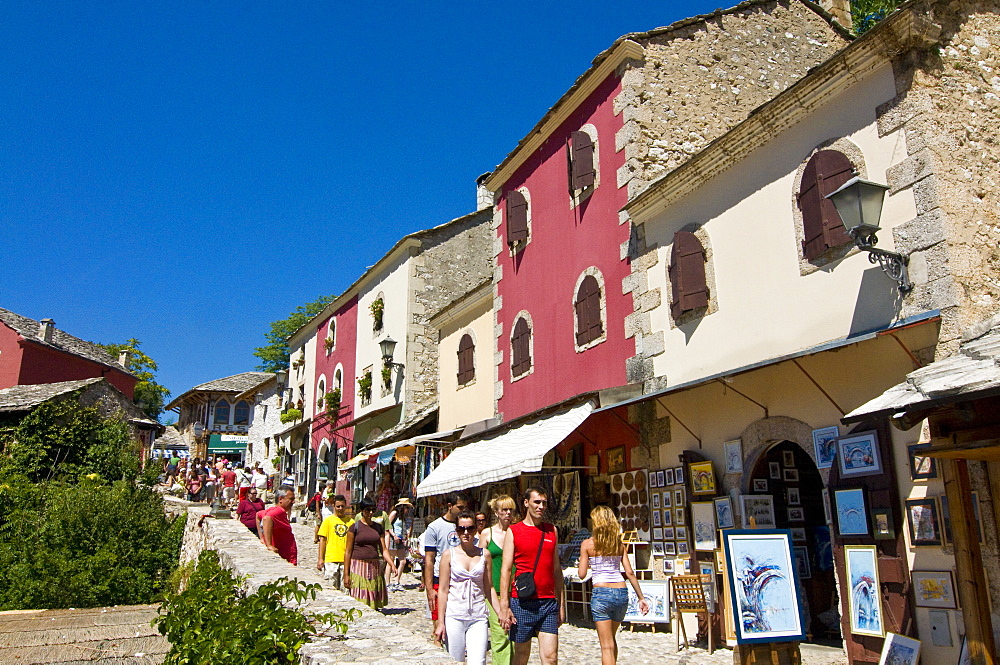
[(186, 172)]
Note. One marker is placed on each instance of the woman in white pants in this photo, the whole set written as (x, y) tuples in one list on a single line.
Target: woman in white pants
[(465, 585)]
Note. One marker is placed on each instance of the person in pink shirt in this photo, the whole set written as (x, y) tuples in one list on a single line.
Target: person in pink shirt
[(228, 487)]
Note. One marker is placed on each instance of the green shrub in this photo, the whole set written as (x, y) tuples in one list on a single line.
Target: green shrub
[(290, 416)]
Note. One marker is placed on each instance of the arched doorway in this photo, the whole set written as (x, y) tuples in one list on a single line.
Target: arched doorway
[(787, 473)]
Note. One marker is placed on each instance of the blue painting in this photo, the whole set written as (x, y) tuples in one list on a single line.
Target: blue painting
[(859, 455), (825, 446), (763, 585), (852, 519), (865, 604)]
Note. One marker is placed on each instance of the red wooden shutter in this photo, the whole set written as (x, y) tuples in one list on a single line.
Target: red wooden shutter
[(517, 217), (821, 224), (588, 311), (521, 348), (687, 274), (582, 171), (466, 366)]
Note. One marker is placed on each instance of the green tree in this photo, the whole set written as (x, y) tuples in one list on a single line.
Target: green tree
[(274, 355), (865, 14), (150, 396)]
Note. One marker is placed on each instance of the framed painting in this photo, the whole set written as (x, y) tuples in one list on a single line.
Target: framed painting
[(799, 535), (760, 484), (825, 446), (757, 511), (668, 566), (762, 586), (734, 456), (668, 517), (796, 514), (678, 475), (666, 503), (858, 455), (668, 533), (656, 594), (852, 518), (934, 588), (681, 533), (922, 518), (790, 475), (665, 478), (679, 517), (656, 518), (682, 548), (656, 500), (724, 513), (616, 459), (901, 650), (788, 459), (921, 468), (703, 526), (865, 600), (657, 533), (802, 562), (774, 470), (702, 478), (669, 548), (794, 497), (652, 480), (883, 527), (679, 496), (707, 568), (657, 549)]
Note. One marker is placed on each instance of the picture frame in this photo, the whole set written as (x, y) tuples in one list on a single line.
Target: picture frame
[(678, 475), (703, 526), (707, 568), (724, 516), (865, 599), (679, 517), (883, 526), (657, 522), (734, 456), (702, 478), (901, 650), (802, 561), (616, 459), (760, 485), (825, 446), (921, 468), (762, 586), (796, 514), (774, 470), (682, 548), (759, 508), (657, 533), (852, 517), (669, 548), (934, 588), (799, 534), (946, 517), (656, 500), (924, 522), (794, 496), (681, 533), (652, 480), (858, 455), (790, 475), (788, 459), (668, 517), (679, 496), (668, 565), (827, 511), (657, 548), (668, 533), (656, 593), (665, 478), (666, 503)]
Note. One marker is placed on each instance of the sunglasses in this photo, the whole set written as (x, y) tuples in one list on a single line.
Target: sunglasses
[(464, 529)]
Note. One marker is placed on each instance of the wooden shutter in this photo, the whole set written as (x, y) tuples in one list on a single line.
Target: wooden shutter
[(582, 171), (520, 348), (588, 311), (687, 274), (466, 366), (821, 224), (517, 217)]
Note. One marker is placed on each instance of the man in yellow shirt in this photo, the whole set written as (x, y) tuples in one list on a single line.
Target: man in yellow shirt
[(333, 541)]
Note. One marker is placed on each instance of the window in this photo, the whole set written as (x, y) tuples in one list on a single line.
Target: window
[(242, 414), (221, 412), (320, 394), (466, 360), (520, 348), (330, 343), (588, 311), (822, 228), (582, 171), (689, 288), (517, 217), (338, 378)]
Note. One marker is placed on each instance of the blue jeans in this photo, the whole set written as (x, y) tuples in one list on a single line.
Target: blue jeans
[(608, 604)]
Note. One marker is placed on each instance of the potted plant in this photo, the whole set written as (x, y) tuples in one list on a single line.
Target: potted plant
[(387, 377), (328, 344), (377, 308), (290, 415), (332, 399), (365, 386)]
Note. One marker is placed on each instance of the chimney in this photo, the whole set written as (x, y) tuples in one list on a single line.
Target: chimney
[(840, 10), (45, 330), (123, 358), (484, 197)]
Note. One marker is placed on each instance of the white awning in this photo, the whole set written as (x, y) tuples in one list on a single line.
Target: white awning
[(516, 451)]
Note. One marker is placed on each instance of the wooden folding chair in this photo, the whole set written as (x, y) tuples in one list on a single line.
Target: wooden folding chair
[(689, 598)]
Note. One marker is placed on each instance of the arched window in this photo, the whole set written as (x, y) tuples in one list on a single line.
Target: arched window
[(822, 228), (588, 311), (221, 412), (330, 343), (520, 348), (582, 171), (517, 217), (466, 360), (689, 287), (320, 393), (242, 413), (338, 379)]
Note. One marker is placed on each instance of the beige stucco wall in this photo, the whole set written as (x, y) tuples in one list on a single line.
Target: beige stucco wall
[(459, 406)]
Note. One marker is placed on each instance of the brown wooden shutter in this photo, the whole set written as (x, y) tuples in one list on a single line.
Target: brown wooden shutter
[(517, 217), (520, 348), (582, 171), (821, 224), (687, 274), (466, 366), (588, 311)]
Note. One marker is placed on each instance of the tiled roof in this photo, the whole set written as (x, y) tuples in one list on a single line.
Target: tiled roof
[(29, 329), (237, 383), (27, 397), (170, 438)]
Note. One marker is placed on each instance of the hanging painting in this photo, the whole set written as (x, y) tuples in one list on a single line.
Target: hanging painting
[(758, 511), (825, 446), (901, 650), (921, 468), (922, 517), (702, 478), (734, 456), (724, 513), (865, 596), (852, 519), (934, 588), (656, 594), (858, 455), (703, 525)]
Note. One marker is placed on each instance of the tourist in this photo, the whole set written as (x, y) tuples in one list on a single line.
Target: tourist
[(259, 479), (229, 487), (397, 538), (604, 554), (481, 523), (530, 548), (362, 553), (464, 590), (248, 508), (193, 486), (211, 481), (440, 537), (244, 481), (492, 538), (332, 536), (288, 482), (172, 465), (276, 528)]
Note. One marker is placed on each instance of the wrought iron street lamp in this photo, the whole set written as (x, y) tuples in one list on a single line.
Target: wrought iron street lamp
[(388, 346)]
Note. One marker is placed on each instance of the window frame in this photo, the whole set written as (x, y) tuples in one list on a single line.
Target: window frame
[(523, 316), (215, 412), (516, 246), (602, 313), (236, 409), (578, 196), (471, 360)]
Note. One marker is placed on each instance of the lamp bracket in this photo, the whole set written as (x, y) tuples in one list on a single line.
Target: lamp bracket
[(892, 263)]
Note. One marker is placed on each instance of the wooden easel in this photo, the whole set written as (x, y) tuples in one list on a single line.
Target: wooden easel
[(689, 598)]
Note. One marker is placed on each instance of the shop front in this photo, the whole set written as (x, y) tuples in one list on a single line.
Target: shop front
[(231, 446)]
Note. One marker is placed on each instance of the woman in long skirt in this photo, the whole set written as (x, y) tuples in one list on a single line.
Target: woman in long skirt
[(364, 548)]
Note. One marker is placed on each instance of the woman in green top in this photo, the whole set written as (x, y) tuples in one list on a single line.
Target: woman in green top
[(492, 538)]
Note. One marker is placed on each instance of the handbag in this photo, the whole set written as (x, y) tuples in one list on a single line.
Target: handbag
[(525, 582)]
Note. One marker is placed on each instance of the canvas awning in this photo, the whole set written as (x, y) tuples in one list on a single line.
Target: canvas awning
[(506, 455), (386, 451)]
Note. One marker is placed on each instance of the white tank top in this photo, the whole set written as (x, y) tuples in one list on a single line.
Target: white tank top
[(466, 594), (606, 569)]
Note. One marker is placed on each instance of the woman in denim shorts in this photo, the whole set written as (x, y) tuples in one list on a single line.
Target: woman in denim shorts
[(604, 555)]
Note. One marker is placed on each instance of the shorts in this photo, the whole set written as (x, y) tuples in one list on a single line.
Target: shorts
[(535, 615), (228, 493), (608, 604), (334, 571)]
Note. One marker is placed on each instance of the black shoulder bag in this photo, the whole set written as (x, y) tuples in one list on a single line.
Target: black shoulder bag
[(525, 582)]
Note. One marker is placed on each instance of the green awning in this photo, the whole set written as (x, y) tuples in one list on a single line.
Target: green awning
[(222, 444)]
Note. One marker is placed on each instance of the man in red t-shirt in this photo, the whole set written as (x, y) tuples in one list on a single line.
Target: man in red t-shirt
[(531, 547), (229, 487), (276, 529)]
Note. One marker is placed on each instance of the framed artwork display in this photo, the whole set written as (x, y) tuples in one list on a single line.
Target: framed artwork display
[(794, 497), (669, 548), (757, 511), (668, 517), (724, 513), (656, 500), (865, 599), (788, 459), (774, 470), (657, 548), (852, 517), (702, 478), (682, 548), (708, 568), (666, 499), (678, 475), (760, 485), (825, 446), (791, 475), (922, 518), (679, 496), (858, 455), (668, 566), (656, 520), (668, 533), (703, 525), (796, 514), (734, 456), (665, 478), (799, 535), (762, 586), (657, 533), (901, 650), (921, 468), (934, 588), (656, 594), (652, 480), (616, 459), (679, 518), (802, 562), (681, 533), (883, 527)]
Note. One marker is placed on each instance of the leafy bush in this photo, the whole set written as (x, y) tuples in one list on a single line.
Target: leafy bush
[(290, 415), (214, 620)]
